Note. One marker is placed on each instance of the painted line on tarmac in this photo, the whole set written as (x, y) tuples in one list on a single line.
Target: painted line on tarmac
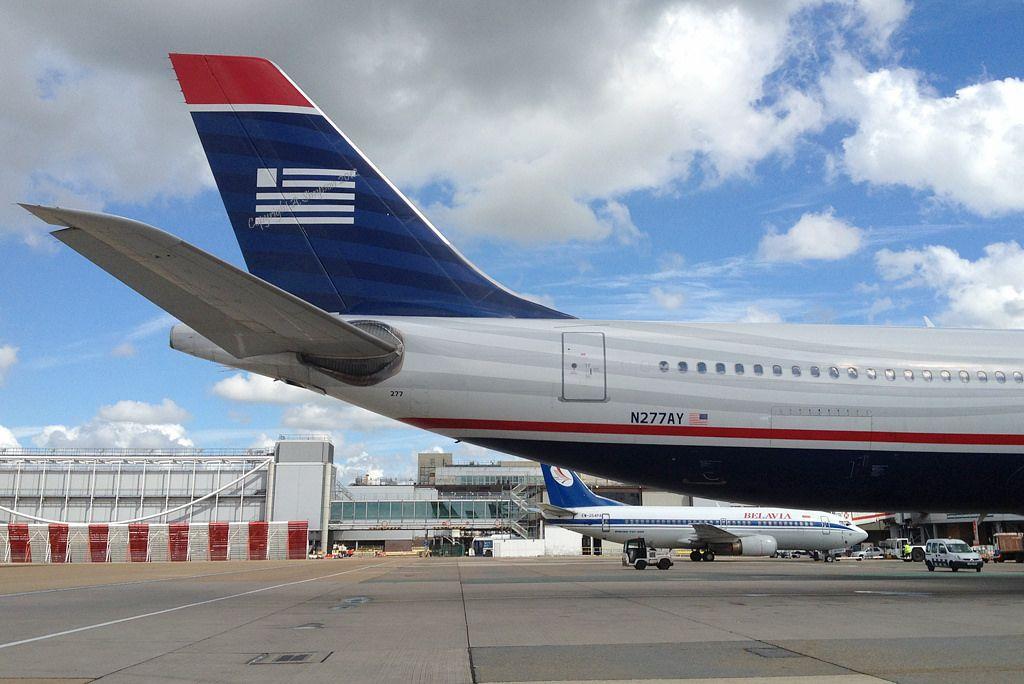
[(128, 584), (195, 604)]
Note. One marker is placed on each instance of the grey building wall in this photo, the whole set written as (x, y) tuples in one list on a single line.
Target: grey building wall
[(302, 480)]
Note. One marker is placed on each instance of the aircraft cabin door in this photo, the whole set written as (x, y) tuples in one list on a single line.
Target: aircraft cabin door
[(606, 523), (583, 372), (825, 529)]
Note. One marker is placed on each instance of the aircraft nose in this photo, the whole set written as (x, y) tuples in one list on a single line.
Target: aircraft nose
[(859, 536)]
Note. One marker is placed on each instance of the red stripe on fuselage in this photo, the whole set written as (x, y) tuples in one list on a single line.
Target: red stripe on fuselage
[(723, 432), (223, 79)]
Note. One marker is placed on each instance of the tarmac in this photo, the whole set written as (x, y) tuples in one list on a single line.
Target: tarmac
[(511, 620)]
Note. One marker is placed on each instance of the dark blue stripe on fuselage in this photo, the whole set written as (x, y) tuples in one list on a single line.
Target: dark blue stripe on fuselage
[(817, 479)]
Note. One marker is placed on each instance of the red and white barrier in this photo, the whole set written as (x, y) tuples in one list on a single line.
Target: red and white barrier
[(143, 542)]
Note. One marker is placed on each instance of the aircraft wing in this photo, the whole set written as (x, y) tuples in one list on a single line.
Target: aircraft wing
[(241, 313), (549, 511), (712, 533)]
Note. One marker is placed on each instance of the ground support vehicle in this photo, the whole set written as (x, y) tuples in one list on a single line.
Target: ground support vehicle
[(636, 553), (951, 553), (1010, 546), (867, 552)]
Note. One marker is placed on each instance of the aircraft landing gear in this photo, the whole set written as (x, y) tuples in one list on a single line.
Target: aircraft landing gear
[(702, 555)]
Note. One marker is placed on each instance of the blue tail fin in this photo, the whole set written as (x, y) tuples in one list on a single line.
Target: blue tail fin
[(566, 489), (313, 215)]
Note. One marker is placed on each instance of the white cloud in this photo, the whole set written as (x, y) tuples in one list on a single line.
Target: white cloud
[(259, 389), (100, 434), (880, 306), (125, 424), (987, 292), (546, 300), (263, 441), (8, 357), (305, 410), (124, 350), (127, 411), (667, 299), (756, 314), (538, 130), (815, 236), (7, 439), (84, 133), (880, 19), (335, 416), (966, 149)]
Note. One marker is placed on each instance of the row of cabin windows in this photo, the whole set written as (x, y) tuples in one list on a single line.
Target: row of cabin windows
[(850, 371)]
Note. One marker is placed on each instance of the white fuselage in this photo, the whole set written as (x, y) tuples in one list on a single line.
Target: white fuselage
[(821, 416), (672, 527)]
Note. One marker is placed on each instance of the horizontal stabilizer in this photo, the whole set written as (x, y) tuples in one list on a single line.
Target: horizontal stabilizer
[(549, 511), (241, 313), (713, 533)]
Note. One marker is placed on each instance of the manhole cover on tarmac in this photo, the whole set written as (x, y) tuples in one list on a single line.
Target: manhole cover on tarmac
[(289, 658), (772, 652)]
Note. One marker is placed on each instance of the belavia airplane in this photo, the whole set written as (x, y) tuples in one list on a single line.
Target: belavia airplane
[(707, 531), (353, 293)]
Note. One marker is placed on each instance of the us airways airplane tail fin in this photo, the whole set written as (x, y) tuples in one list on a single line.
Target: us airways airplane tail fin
[(313, 215), (566, 489)]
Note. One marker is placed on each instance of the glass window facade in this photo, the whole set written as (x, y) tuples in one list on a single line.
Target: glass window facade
[(445, 509)]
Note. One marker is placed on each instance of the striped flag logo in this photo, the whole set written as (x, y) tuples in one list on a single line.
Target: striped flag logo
[(698, 418), (304, 196)]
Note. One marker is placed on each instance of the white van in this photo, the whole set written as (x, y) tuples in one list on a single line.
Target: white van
[(951, 553)]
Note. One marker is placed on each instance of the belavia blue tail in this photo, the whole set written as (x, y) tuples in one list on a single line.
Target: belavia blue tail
[(313, 215), (566, 489)]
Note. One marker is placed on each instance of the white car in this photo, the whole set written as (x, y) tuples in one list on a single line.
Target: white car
[(868, 552), (951, 553)]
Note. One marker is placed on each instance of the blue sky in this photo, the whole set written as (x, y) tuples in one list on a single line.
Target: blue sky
[(848, 162)]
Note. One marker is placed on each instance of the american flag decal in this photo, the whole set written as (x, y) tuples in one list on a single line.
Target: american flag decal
[(698, 418), (294, 196)]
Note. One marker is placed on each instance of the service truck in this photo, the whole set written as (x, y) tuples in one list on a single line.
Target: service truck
[(1010, 546)]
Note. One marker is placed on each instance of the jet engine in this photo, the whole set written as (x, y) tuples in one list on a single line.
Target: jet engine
[(756, 545)]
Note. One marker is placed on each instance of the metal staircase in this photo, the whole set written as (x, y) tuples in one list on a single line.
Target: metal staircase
[(518, 510)]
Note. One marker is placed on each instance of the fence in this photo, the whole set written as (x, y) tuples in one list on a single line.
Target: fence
[(144, 542)]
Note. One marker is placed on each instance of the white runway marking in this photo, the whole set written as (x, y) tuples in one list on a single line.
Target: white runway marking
[(108, 623)]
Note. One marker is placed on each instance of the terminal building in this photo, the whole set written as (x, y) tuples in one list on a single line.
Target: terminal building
[(445, 508), (291, 481), (451, 504)]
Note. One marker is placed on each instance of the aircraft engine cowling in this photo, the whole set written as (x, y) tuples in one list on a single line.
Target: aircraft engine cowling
[(755, 545)]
